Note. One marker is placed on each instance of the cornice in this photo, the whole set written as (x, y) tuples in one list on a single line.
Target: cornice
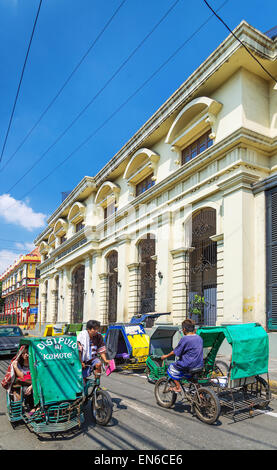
[(86, 182), (265, 185), (254, 39)]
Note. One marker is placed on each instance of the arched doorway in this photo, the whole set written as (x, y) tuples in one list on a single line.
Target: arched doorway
[(112, 266), (78, 284), (147, 276), (203, 268)]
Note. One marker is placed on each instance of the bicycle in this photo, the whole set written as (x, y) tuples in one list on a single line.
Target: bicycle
[(204, 401), (101, 402)]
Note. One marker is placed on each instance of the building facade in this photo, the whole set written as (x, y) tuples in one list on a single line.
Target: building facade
[(20, 287), (176, 220)]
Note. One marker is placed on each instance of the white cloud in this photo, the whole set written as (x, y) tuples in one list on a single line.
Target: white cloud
[(19, 213), (26, 247), (7, 258)]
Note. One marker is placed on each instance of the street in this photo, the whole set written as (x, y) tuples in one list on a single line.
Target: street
[(138, 423)]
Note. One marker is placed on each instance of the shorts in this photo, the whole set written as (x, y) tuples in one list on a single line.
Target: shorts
[(89, 370), (175, 373)]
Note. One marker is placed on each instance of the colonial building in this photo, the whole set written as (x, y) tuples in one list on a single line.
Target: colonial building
[(20, 287), (176, 220)]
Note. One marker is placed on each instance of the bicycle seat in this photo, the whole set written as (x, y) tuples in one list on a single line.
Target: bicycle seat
[(194, 374), (196, 370)]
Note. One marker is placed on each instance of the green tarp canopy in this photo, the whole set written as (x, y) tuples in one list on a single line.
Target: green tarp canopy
[(250, 348), (55, 368)]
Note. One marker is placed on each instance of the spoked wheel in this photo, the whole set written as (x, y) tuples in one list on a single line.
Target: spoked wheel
[(208, 409), (163, 395), (102, 407), (262, 391)]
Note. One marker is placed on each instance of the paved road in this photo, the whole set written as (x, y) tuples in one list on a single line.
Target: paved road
[(138, 423)]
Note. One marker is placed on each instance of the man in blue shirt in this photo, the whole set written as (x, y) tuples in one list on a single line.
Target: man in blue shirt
[(189, 352)]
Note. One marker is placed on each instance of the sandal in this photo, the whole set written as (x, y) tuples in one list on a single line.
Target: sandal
[(173, 389)]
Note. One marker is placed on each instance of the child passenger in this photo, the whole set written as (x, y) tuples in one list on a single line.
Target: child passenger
[(189, 352)]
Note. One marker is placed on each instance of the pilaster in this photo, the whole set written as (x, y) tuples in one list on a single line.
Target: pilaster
[(180, 279)]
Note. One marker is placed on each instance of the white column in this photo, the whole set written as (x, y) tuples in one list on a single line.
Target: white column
[(103, 299), (220, 277), (68, 296), (163, 293), (95, 286), (133, 294), (239, 243), (87, 288), (180, 277)]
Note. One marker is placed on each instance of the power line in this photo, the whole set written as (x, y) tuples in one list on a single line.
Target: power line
[(245, 47), (95, 96), (64, 84), (20, 81), (12, 241), (84, 142)]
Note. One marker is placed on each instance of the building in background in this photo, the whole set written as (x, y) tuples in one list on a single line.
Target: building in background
[(20, 288), (176, 221)]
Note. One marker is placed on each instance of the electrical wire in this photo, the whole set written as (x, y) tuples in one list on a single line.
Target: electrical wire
[(20, 81), (94, 97), (64, 85), (245, 47), (84, 142)]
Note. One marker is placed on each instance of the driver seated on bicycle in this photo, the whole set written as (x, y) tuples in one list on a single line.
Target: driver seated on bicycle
[(189, 352), (90, 344)]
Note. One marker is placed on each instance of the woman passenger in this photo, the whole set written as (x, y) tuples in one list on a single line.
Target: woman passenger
[(23, 378)]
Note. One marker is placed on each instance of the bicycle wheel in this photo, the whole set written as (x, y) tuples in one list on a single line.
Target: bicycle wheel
[(208, 409), (164, 397), (102, 407), (263, 391)]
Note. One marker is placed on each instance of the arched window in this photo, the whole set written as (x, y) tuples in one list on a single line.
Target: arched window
[(76, 215), (78, 285), (107, 198), (141, 170), (147, 282), (60, 230), (112, 265), (194, 128), (52, 240), (203, 268)]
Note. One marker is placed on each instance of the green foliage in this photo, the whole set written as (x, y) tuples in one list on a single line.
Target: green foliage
[(196, 305)]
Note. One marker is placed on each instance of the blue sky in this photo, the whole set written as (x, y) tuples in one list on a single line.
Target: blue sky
[(64, 31)]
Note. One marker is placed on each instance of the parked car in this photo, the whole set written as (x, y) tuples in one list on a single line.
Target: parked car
[(9, 339)]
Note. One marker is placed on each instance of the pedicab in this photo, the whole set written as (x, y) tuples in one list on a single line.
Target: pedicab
[(161, 342), (242, 389), (128, 343), (59, 393)]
